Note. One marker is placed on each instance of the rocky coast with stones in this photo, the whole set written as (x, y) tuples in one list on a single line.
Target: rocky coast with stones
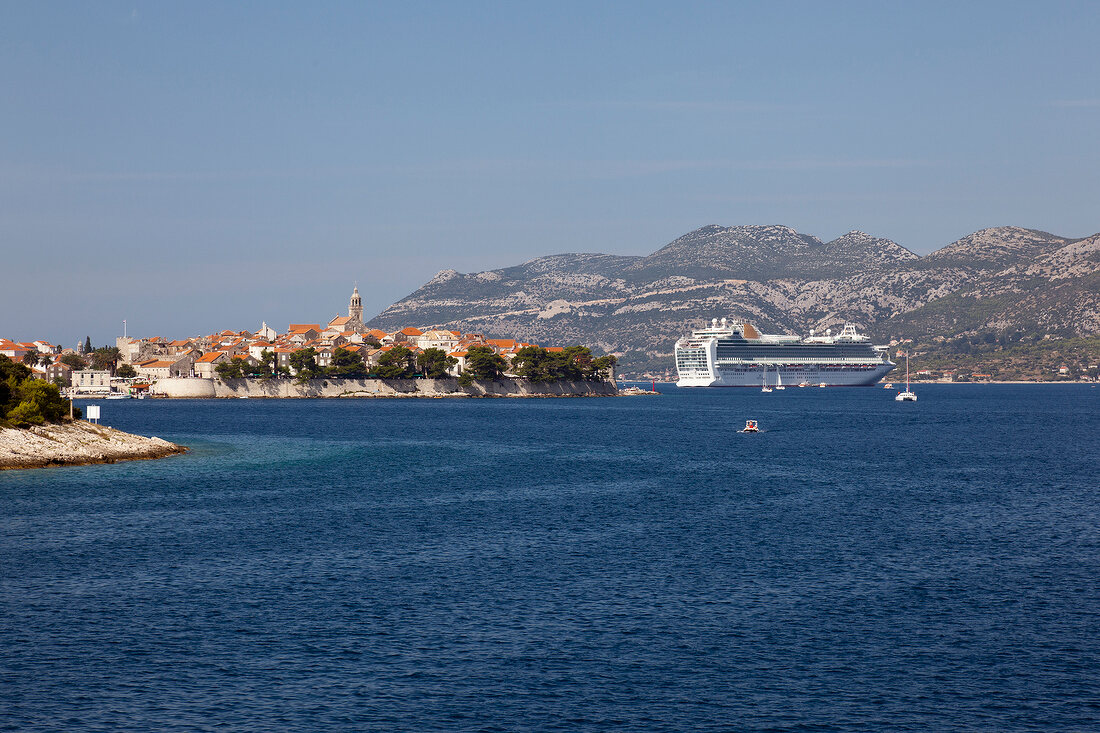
[(77, 443)]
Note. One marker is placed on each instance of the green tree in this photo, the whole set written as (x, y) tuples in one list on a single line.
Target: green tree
[(265, 369), (25, 400), (270, 365), (232, 369), (434, 363), (575, 362), (105, 358), (604, 366), (30, 358), (87, 344), (304, 364), (12, 372), (484, 363), (126, 371), (397, 363), (253, 369), (73, 361), (346, 364), (534, 363)]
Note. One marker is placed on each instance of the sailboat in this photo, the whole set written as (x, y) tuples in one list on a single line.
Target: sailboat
[(765, 388), (778, 380), (906, 396)]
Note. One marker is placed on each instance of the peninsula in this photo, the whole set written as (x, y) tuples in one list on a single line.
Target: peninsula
[(76, 443), (344, 358), (36, 430)]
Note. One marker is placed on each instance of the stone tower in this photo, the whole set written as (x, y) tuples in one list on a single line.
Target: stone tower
[(355, 311)]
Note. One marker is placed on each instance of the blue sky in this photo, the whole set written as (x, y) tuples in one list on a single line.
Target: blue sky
[(197, 166)]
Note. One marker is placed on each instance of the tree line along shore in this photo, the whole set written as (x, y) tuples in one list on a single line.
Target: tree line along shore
[(532, 363)]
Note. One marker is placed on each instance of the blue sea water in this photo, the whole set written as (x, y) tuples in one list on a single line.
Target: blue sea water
[(576, 565)]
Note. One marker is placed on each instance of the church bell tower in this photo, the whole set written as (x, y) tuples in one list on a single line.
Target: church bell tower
[(355, 309)]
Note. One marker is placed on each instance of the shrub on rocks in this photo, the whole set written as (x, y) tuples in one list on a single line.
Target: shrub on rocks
[(25, 400)]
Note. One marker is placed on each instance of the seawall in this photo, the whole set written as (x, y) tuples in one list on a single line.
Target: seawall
[(76, 443), (197, 387)]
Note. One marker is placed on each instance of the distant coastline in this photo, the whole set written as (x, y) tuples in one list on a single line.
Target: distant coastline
[(1000, 381)]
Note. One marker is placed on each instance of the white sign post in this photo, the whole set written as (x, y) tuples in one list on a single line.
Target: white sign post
[(93, 412)]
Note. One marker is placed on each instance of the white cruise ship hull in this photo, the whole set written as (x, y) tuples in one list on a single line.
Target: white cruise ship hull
[(736, 355), (792, 375)]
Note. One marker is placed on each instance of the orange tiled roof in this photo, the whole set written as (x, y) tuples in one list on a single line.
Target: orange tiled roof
[(411, 331)]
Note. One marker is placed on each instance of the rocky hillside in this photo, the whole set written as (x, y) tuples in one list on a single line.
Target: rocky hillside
[(999, 279)]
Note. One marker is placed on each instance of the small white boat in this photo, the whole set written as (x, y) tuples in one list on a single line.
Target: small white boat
[(906, 396), (117, 396), (751, 427), (888, 385), (765, 388), (778, 380), (822, 385)]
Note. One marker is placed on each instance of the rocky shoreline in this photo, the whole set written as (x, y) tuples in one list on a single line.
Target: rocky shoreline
[(201, 388), (75, 444)]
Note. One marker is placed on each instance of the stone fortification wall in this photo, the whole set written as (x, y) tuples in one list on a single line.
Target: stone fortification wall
[(195, 387), (185, 387)]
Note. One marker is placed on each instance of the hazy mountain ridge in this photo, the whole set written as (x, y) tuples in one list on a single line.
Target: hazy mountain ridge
[(998, 278)]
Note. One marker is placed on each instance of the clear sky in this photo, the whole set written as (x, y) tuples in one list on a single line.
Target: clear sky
[(198, 166)]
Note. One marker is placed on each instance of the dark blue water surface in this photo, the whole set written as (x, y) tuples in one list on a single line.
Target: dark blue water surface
[(577, 565)]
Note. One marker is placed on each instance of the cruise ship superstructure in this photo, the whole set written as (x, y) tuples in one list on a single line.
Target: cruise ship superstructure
[(735, 354)]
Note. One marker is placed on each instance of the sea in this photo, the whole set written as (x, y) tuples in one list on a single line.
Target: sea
[(588, 564)]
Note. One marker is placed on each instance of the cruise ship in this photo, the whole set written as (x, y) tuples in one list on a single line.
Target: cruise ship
[(735, 354)]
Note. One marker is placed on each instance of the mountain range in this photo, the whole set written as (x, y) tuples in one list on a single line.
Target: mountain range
[(999, 279)]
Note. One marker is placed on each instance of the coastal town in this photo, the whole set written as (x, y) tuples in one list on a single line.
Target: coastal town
[(342, 347), (345, 346)]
